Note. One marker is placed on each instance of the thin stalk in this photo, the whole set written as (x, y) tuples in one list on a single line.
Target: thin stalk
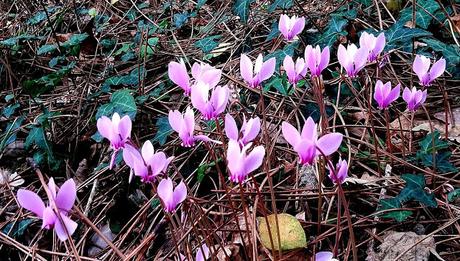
[(388, 136)]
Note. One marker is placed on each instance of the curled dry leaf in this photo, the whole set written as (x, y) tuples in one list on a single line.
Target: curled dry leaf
[(396, 243)]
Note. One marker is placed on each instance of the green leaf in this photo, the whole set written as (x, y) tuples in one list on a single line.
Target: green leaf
[(9, 135), (453, 195), (163, 130), (393, 203), (291, 233), (75, 39), (424, 10), (208, 44), (37, 18), (37, 136), (280, 54), (17, 229), (449, 51), (10, 109), (47, 48), (148, 48), (283, 4), (200, 3), (181, 19), (241, 9), (274, 31), (399, 36), (121, 102)]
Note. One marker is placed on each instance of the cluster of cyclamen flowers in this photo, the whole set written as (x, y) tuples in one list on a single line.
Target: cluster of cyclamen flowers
[(210, 99)]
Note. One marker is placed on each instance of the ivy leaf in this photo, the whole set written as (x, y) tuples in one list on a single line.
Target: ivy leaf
[(274, 31), (393, 203), (163, 131), (37, 18), (415, 190), (453, 195), (9, 135), (47, 48), (449, 51), (283, 4), (121, 102), (181, 19), (241, 9), (200, 3), (148, 48), (208, 44), (17, 229), (37, 136), (423, 13), (399, 36), (280, 54), (10, 109)]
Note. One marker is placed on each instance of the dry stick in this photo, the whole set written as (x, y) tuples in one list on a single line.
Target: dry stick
[(376, 143), (57, 212), (350, 224), (447, 110), (267, 170), (106, 240), (388, 136), (243, 202), (337, 232)]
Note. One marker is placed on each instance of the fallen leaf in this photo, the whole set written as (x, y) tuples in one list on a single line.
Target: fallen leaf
[(396, 243), (113, 2), (292, 235)]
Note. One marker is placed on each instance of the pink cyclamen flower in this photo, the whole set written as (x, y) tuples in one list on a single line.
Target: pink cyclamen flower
[(352, 59), (171, 196), (426, 75), (210, 107), (316, 59), (295, 72), (255, 74), (202, 254), (414, 98), (117, 131), (384, 95), (373, 44), (146, 164), (307, 144), (340, 173), (325, 256), (248, 132), (240, 164), (64, 198), (184, 125), (177, 72), (291, 27)]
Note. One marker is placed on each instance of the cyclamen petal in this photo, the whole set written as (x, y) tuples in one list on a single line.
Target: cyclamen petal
[(324, 256), (414, 98), (295, 72), (307, 145), (316, 60), (373, 44), (249, 130), (340, 173), (426, 76), (352, 59), (64, 199), (202, 253), (171, 197), (255, 74), (147, 164), (178, 74), (211, 107), (384, 95), (240, 164), (184, 125), (290, 27)]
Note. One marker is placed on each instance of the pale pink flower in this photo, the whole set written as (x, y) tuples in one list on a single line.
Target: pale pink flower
[(307, 144), (248, 132), (384, 95), (240, 164), (414, 98), (116, 130), (325, 256), (255, 74), (171, 196), (184, 125), (426, 75), (373, 44), (352, 59), (209, 106), (316, 59), (290, 27), (177, 72), (295, 72), (340, 173)]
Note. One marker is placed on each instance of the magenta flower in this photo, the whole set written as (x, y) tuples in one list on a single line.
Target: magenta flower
[(147, 164), (384, 95), (316, 59), (414, 98), (373, 44), (307, 144), (249, 130), (295, 72), (184, 125), (340, 173), (117, 131), (64, 198), (426, 75), (241, 164), (210, 107), (171, 197), (325, 256), (177, 72), (352, 59), (290, 27), (255, 74)]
